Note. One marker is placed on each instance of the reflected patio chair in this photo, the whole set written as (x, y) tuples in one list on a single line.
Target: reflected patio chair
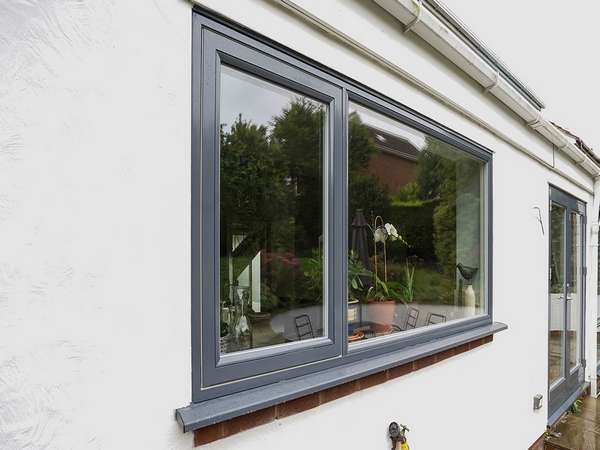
[(412, 315), (304, 327), (433, 318)]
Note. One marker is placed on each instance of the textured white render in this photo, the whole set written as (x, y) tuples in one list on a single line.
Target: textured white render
[(94, 224), (95, 235)]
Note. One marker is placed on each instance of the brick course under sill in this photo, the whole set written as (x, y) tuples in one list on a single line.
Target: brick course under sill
[(223, 417)]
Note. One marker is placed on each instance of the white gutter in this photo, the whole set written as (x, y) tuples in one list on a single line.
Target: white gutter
[(417, 17), (454, 23), (367, 52)]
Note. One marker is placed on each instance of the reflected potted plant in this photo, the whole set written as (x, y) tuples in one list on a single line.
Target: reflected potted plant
[(407, 289), (383, 307), (357, 274), (312, 268)]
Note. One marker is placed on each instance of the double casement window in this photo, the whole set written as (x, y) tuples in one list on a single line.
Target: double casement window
[(330, 224)]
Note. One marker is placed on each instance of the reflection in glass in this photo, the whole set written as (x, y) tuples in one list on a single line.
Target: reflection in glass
[(574, 298), (416, 229), (556, 351), (273, 143)]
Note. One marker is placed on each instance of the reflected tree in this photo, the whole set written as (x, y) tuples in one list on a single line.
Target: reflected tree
[(364, 190), (298, 134)]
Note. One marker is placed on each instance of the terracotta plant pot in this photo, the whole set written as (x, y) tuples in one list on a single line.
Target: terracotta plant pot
[(382, 315)]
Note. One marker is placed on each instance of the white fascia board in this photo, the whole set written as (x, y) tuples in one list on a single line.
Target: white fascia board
[(453, 47), (416, 17)]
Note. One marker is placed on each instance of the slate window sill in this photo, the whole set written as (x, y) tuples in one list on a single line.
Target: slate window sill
[(366, 373)]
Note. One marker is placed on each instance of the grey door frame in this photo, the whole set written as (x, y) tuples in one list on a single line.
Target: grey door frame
[(560, 395)]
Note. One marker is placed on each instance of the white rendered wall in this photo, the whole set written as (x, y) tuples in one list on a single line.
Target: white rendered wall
[(95, 226)]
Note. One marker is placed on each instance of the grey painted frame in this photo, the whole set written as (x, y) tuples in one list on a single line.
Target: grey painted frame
[(247, 50), (560, 394), (216, 51)]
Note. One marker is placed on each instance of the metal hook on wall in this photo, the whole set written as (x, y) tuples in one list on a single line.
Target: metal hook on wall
[(539, 218)]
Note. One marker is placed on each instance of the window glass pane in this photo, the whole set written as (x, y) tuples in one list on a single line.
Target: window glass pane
[(273, 143), (574, 298), (416, 229), (556, 349)]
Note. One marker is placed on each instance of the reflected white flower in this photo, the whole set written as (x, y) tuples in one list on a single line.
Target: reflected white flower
[(391, 231), (380, 234)]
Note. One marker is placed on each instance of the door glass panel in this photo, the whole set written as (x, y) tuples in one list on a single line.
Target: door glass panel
[(556, 351), (272, 200), (574, 292)]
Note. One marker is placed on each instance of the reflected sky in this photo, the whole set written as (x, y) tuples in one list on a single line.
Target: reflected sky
[(256, 100), (259, 101)]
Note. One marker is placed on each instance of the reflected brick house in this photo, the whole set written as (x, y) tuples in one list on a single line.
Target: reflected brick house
[(396, 160)]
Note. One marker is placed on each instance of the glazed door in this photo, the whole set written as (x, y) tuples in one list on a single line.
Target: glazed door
[(566, 302)]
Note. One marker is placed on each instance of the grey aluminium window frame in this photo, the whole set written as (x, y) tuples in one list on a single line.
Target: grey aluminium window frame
[(216, 51), (216, 39)]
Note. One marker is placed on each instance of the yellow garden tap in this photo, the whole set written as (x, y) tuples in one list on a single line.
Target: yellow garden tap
[(398, 436)]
